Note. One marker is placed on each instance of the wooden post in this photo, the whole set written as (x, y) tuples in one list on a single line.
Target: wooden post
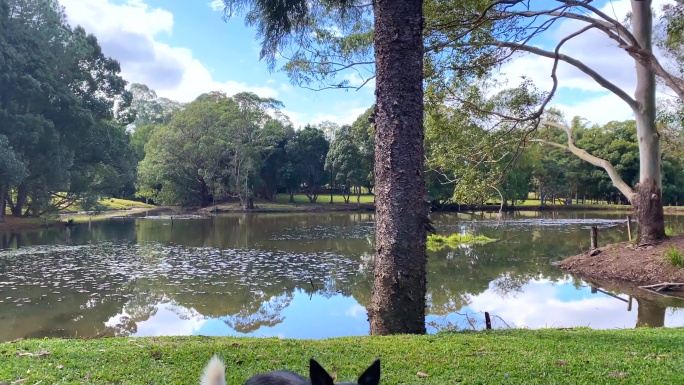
[(629, 304), (488, 321), (594, 237), (629, 228)]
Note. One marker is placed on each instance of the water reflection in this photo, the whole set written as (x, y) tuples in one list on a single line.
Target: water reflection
[(301, 276)]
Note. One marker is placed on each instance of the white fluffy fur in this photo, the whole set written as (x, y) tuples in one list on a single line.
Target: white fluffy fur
[(214, 372)]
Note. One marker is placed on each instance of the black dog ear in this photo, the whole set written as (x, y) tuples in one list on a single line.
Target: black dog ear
[(318, 375), (372, 375)]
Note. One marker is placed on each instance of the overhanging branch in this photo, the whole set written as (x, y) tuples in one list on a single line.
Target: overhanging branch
[(620, 184)]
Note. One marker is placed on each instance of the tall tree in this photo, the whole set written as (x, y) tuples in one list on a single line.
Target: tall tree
[(398, 304), (12, 171), (57, 88), (481, 35), (307, 151), (363, 135), (344, 164), (149, 108)]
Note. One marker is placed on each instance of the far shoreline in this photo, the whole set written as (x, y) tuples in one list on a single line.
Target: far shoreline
[(19, 224)]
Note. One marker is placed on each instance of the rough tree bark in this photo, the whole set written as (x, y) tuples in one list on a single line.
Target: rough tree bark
[(399, 290)]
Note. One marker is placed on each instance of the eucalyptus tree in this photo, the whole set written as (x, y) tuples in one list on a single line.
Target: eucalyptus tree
[(185, 162), (459, 45), (213, 148), (254, 136), (150, 108), (386, 36)]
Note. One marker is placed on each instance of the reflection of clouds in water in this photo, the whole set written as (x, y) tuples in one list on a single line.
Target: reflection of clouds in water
[(169, 319), (318, 317), (542, 305), (356, 311)]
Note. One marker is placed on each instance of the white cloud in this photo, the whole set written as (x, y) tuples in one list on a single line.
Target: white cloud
[(356, 311), (594, 49), (127, 32), (599, 110), (342, 113), (216, 5)]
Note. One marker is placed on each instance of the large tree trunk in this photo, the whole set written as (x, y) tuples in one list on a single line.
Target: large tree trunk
[(3, 203), (399, 289), (17, 207), (647, 202)]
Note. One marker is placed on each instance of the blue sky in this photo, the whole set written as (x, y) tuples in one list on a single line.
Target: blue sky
[(182, 48)]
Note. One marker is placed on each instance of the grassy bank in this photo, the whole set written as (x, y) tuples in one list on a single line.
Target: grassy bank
[(579, 356), (110, 207), (110, 204)]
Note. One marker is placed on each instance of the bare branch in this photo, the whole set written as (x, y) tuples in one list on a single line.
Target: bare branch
[(577, 64), (624, 188)]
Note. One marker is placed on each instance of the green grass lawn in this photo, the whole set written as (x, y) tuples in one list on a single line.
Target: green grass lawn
[(337, 198), (112, 204), (578, 356), (107, 203)]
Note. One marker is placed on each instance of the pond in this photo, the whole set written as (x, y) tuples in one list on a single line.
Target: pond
[(301, 276)]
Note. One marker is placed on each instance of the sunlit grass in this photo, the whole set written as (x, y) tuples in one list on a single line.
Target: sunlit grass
[(437, 242), (337, 198), (576, 356), (674, 257)]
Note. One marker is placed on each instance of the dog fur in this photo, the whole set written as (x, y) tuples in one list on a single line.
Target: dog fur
[(214, 374)]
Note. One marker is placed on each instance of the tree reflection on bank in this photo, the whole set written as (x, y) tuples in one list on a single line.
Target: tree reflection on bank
[(261, 274)]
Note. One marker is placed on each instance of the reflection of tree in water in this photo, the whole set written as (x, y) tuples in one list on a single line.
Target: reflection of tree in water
[(650, 314), (508, 285), (125, 282), (257, 314), (651, 306)]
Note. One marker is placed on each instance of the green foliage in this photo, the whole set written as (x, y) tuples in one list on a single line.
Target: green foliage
[(58, 94), (148, 108), (363, 136), (437, 242), (515, 356), (213, 148), (12, 170), (669, 231), (344, 162), (674, 257), (307, 151)]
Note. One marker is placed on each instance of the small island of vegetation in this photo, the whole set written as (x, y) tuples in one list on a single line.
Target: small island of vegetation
[(438, 242)]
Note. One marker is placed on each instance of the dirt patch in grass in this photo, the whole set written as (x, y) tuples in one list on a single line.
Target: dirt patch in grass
[(628, 263)]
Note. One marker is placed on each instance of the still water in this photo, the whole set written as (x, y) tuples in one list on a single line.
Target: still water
[(301, 276)]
